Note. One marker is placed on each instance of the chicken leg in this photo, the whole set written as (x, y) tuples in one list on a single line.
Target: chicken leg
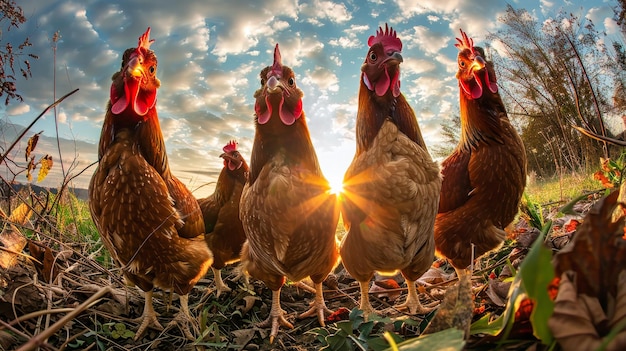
[(413, 303), (276, 317), (183, 319), (219, 283), (148, 318), (317, 306), (365, 304)]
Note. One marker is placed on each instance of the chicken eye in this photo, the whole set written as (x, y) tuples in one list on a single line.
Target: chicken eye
[(292, 82), (152, 69), (462, 63), (373, 56), (262, 81)]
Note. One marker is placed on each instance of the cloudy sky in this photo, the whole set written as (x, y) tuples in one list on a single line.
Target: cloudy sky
[(210, 54)]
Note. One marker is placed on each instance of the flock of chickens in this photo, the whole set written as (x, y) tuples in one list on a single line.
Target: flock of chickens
[(277, 214)]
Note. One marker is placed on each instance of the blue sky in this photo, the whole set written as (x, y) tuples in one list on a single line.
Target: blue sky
[(210, 55)]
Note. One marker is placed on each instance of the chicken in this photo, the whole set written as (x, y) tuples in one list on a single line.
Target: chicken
[(224, 232), (287, 211), (147, 219), (391, 188), (485, 176)]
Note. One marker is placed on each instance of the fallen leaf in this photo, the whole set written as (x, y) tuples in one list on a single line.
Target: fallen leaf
[(592, 251), (577, 317), (243, 336), (13, 242), (341, 314), (386, 289)]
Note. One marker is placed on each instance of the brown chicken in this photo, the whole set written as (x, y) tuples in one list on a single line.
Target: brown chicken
[(485, 176), (288, 213), (391, 189), (224, 231), (147, 219)]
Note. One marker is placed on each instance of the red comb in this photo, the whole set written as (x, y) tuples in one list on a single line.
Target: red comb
[(277, 67), (230, 147), (144, 41), (465, 43), (388, 38)]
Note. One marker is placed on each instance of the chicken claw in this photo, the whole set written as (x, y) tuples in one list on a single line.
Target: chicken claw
[(412, 302), (148, 318), (183, 319), (317, 306), (219, 283), (276, 317)]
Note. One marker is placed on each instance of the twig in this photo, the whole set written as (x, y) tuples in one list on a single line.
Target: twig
[(599, 137), (17, 140), (38, 339)]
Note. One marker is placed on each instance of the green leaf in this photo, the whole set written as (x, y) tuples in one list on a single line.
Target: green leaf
[(537, 274), (449, 340)]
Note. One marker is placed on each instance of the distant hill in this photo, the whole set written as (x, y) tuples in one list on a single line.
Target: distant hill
[(82, 194)]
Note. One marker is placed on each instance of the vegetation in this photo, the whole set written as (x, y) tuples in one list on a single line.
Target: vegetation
[(13, 58), (59, 287)]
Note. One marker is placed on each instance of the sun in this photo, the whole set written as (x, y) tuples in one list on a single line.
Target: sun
[(336, 186)]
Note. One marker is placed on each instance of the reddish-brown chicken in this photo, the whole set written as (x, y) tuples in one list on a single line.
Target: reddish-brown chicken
[(483, 179), (391, 189), (147, 219), (288, 214), (224, 231)]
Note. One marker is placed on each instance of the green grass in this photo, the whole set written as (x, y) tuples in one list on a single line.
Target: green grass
[(560, 191)]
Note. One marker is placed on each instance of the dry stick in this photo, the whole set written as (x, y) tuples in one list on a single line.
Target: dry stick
[(38, 339), (17, 140)]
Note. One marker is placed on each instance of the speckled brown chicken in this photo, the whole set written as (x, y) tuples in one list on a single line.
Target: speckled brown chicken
[(391, 189), (224, 231), (485, 176), (147, 218), (288, 214)]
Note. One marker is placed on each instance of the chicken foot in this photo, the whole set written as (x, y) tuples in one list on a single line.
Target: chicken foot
[(148, 318), (183, 319), (318, 306), (413, 303), (276, 317), (219, 283)]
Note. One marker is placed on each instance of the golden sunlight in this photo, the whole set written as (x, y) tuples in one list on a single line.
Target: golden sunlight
[(336, 185), (334, 163)]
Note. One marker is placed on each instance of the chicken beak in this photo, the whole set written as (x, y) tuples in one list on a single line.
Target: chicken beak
[(272, 84), (477, 64), (134, 67), (395, 58)]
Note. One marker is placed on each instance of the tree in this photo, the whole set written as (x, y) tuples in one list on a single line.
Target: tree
[(12, 60), (451, 132), (553, 74)]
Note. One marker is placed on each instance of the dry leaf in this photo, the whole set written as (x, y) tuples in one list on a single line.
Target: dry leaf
[(593, 250), (46, 165), (591, 298), (29, 168), (13, 242), (381, 288), (578, 317), (32, 143), (21, 214), (250, 300)]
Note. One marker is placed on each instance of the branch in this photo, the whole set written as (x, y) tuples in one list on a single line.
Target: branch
[(17, 140), (599, 137)]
